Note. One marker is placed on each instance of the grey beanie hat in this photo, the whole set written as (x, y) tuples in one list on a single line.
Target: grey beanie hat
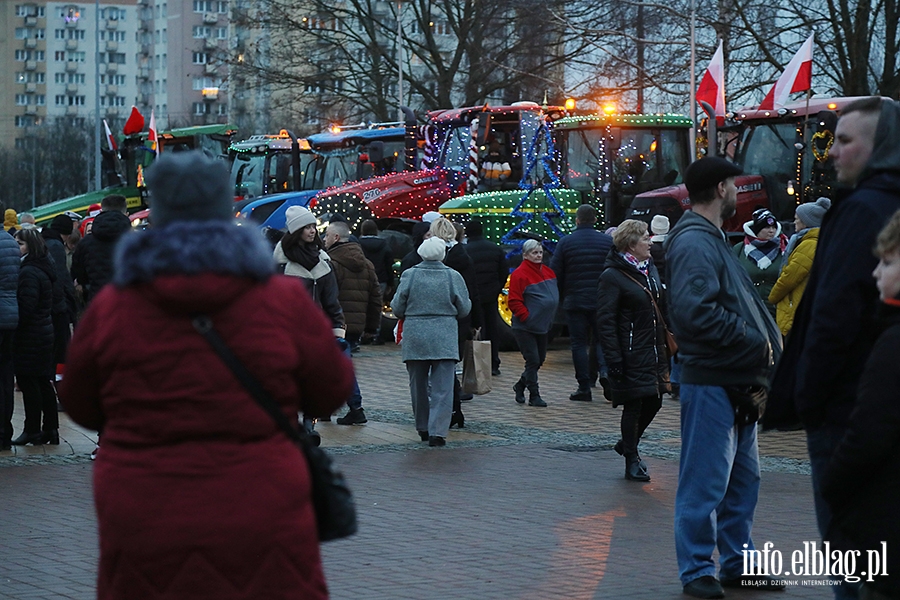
[(432, 249), (812, 213), (189, 186)]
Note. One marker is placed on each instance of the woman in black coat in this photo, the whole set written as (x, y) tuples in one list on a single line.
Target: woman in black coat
[(33, 341), (633, 338)]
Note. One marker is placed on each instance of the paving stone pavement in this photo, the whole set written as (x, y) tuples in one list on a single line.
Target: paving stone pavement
[(523, 503)]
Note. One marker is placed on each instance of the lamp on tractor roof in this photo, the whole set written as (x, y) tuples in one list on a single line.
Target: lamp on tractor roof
[(570, 104)]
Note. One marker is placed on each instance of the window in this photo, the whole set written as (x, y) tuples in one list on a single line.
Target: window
[(222, 7), (221, 33), (75, 56), (201, 108), (60, 100), (200, 58), (29, 77), (111, 57), (165, 10), (40, 100), (29, 10), (23, 121), (59, 34), (39, 55), (76, 100), (203, 6), (61, 78), (441, 27), (221, 109), (23, 55), (202, 32), (59, 56), (23, 99), (112, 36), (113, 14)]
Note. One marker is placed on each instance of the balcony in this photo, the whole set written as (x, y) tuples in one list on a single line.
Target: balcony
[(31, 43), (112, 90), (143, 2), (112, 24), (71, 88), (30, 65), (30, 21), (210, 94), (112, 46), (145, 99), (71, 111), (30, 88), (210, 44), (71, 66), (30, 110), (210, 19), (112, 68), (144, 72), (71, 24), (209, 68), (112, 111), (71, 44), (146, 49)]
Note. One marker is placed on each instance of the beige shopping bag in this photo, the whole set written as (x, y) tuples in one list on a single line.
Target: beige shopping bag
[(476, 377)]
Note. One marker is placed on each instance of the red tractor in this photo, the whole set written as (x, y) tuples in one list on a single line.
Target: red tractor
[(784, 154)]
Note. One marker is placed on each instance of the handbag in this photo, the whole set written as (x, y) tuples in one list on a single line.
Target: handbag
[(671, 344), (748, 401), (476, 375), (331, 496)]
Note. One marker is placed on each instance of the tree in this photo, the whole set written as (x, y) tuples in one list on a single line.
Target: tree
[(344, 57)]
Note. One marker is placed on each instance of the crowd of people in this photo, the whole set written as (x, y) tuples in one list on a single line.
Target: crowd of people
[(784, 331)]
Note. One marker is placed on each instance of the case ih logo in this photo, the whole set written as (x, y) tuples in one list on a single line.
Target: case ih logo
[(750, 187), (371, 195), (425, 180)]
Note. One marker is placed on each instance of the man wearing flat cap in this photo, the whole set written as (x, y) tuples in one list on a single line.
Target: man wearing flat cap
[(727, 345)]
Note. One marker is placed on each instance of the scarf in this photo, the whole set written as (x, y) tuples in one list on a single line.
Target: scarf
[(642, 266), (762, 252), (306, 255), (795, 239)]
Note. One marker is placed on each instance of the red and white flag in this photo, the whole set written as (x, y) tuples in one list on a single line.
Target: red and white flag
[(712, 85), (109, 137), (151, 137), (797, 77)]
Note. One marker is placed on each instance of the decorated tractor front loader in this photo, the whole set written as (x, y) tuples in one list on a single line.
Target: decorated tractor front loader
[(125, 162), (445, 166), (785, 157), (602, 160)]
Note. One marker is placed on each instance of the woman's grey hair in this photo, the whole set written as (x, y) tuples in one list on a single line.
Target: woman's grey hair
[(443, 229), (628, 234), (530, 245)]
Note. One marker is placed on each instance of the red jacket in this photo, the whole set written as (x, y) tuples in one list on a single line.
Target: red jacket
[(533, 297), (198, 493)]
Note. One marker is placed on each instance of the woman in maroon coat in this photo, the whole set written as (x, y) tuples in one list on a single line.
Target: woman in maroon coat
[(198, 492)]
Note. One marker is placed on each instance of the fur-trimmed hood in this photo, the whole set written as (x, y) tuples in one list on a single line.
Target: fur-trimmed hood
[(192, 248)]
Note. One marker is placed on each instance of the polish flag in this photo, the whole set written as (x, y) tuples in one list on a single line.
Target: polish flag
[(712, 85), (109, 137), (151, 137), (797, 77)]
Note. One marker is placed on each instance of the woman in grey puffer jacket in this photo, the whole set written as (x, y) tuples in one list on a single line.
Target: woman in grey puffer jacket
[(430, 298)]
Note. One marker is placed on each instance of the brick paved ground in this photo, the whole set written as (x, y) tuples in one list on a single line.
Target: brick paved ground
[(523, 503)]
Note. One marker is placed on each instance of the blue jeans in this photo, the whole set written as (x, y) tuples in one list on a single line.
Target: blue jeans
[(718, 485), (821, 444), (355, 399), (582, 335)]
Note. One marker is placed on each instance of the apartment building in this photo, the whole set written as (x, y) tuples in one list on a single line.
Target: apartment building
[(53, 56)]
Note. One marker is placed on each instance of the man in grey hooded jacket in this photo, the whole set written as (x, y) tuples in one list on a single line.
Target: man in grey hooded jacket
[(727, 341)]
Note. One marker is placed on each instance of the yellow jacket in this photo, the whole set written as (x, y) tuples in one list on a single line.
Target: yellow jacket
[(788, 290)]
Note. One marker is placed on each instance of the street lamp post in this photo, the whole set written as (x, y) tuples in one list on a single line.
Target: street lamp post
[(399, 59), (98, 180)]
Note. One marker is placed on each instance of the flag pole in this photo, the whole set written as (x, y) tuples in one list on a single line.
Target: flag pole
[(693, 98)]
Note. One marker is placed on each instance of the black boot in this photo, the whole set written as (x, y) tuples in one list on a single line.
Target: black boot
[(28, 438), (50, 436), (458, 419), (633, 470), (534, 397), (582, 394), (519, 389)]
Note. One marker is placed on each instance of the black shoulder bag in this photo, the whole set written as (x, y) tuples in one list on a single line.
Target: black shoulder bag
[(331, 496)]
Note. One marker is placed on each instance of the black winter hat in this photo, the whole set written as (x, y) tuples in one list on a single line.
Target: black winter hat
[(62, 224), (708, 172), (762, 218), (189, 186)]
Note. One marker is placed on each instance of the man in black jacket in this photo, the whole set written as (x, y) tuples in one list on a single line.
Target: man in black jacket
[(727, 343), (578, 262), (834, 327), (491, 272), (92, 263)]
